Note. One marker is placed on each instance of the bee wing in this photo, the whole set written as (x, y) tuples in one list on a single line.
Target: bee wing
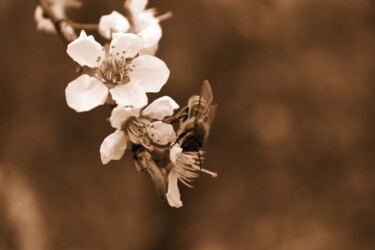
[(145, 162), (180, 116), (210, 116), (207, 111), (200, 105), (206, 93)]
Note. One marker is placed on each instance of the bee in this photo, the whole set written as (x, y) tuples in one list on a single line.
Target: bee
[(196, 120)]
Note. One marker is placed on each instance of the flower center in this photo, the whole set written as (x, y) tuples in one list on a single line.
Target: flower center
[(136, 129), (142, 131), (114, 70)]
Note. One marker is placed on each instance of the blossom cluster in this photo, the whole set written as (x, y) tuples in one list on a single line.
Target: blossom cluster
[(166, 145)]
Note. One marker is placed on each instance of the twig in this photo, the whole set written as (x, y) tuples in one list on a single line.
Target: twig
[(165, 16), (62, 25), (84, 26)]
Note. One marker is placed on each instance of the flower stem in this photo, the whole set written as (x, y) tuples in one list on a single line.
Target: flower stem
[(62, 25)]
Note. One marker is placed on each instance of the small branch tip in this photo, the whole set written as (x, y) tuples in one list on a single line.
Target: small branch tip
[(165, 16)]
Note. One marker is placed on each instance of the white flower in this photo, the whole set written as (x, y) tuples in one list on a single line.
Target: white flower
[(145, 24), (113, 23), (120, 71), (139, 127), (184, 167), (42, 23)]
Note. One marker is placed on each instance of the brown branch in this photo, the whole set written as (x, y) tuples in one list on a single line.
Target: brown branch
[(84, 26), (62, 25), (165, 16)]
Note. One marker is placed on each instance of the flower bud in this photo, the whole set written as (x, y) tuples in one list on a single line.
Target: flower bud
[(112, 23), (43, 23)]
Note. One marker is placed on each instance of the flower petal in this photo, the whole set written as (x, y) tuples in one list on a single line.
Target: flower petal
[(151, 72), (114, 22), (151, 33), (149, 50), (135, 6), (160, 108), (126, 45), (85, 93), (86, 51), (161, 133), (113, 146), (129, 94), (173, 194), (121, 114)]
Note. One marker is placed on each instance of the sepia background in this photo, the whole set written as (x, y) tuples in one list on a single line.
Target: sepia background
[(293, 141)]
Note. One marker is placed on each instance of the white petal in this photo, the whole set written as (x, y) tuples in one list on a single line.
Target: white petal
[(135, 6), (151, 72), (161, 133), (85, 93), (113, 146), (114, 22), (127, 45), (86, 51), (151, 34), (160, 108), (149, 50), (173, 194), (174, 152), (129, 94), (121, 114)]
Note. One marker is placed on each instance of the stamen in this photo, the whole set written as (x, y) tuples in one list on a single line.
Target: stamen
[(213, 174), (137, 132), (186, 184), (114, 70)]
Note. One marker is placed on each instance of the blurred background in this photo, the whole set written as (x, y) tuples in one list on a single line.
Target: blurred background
[(293, 141)]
